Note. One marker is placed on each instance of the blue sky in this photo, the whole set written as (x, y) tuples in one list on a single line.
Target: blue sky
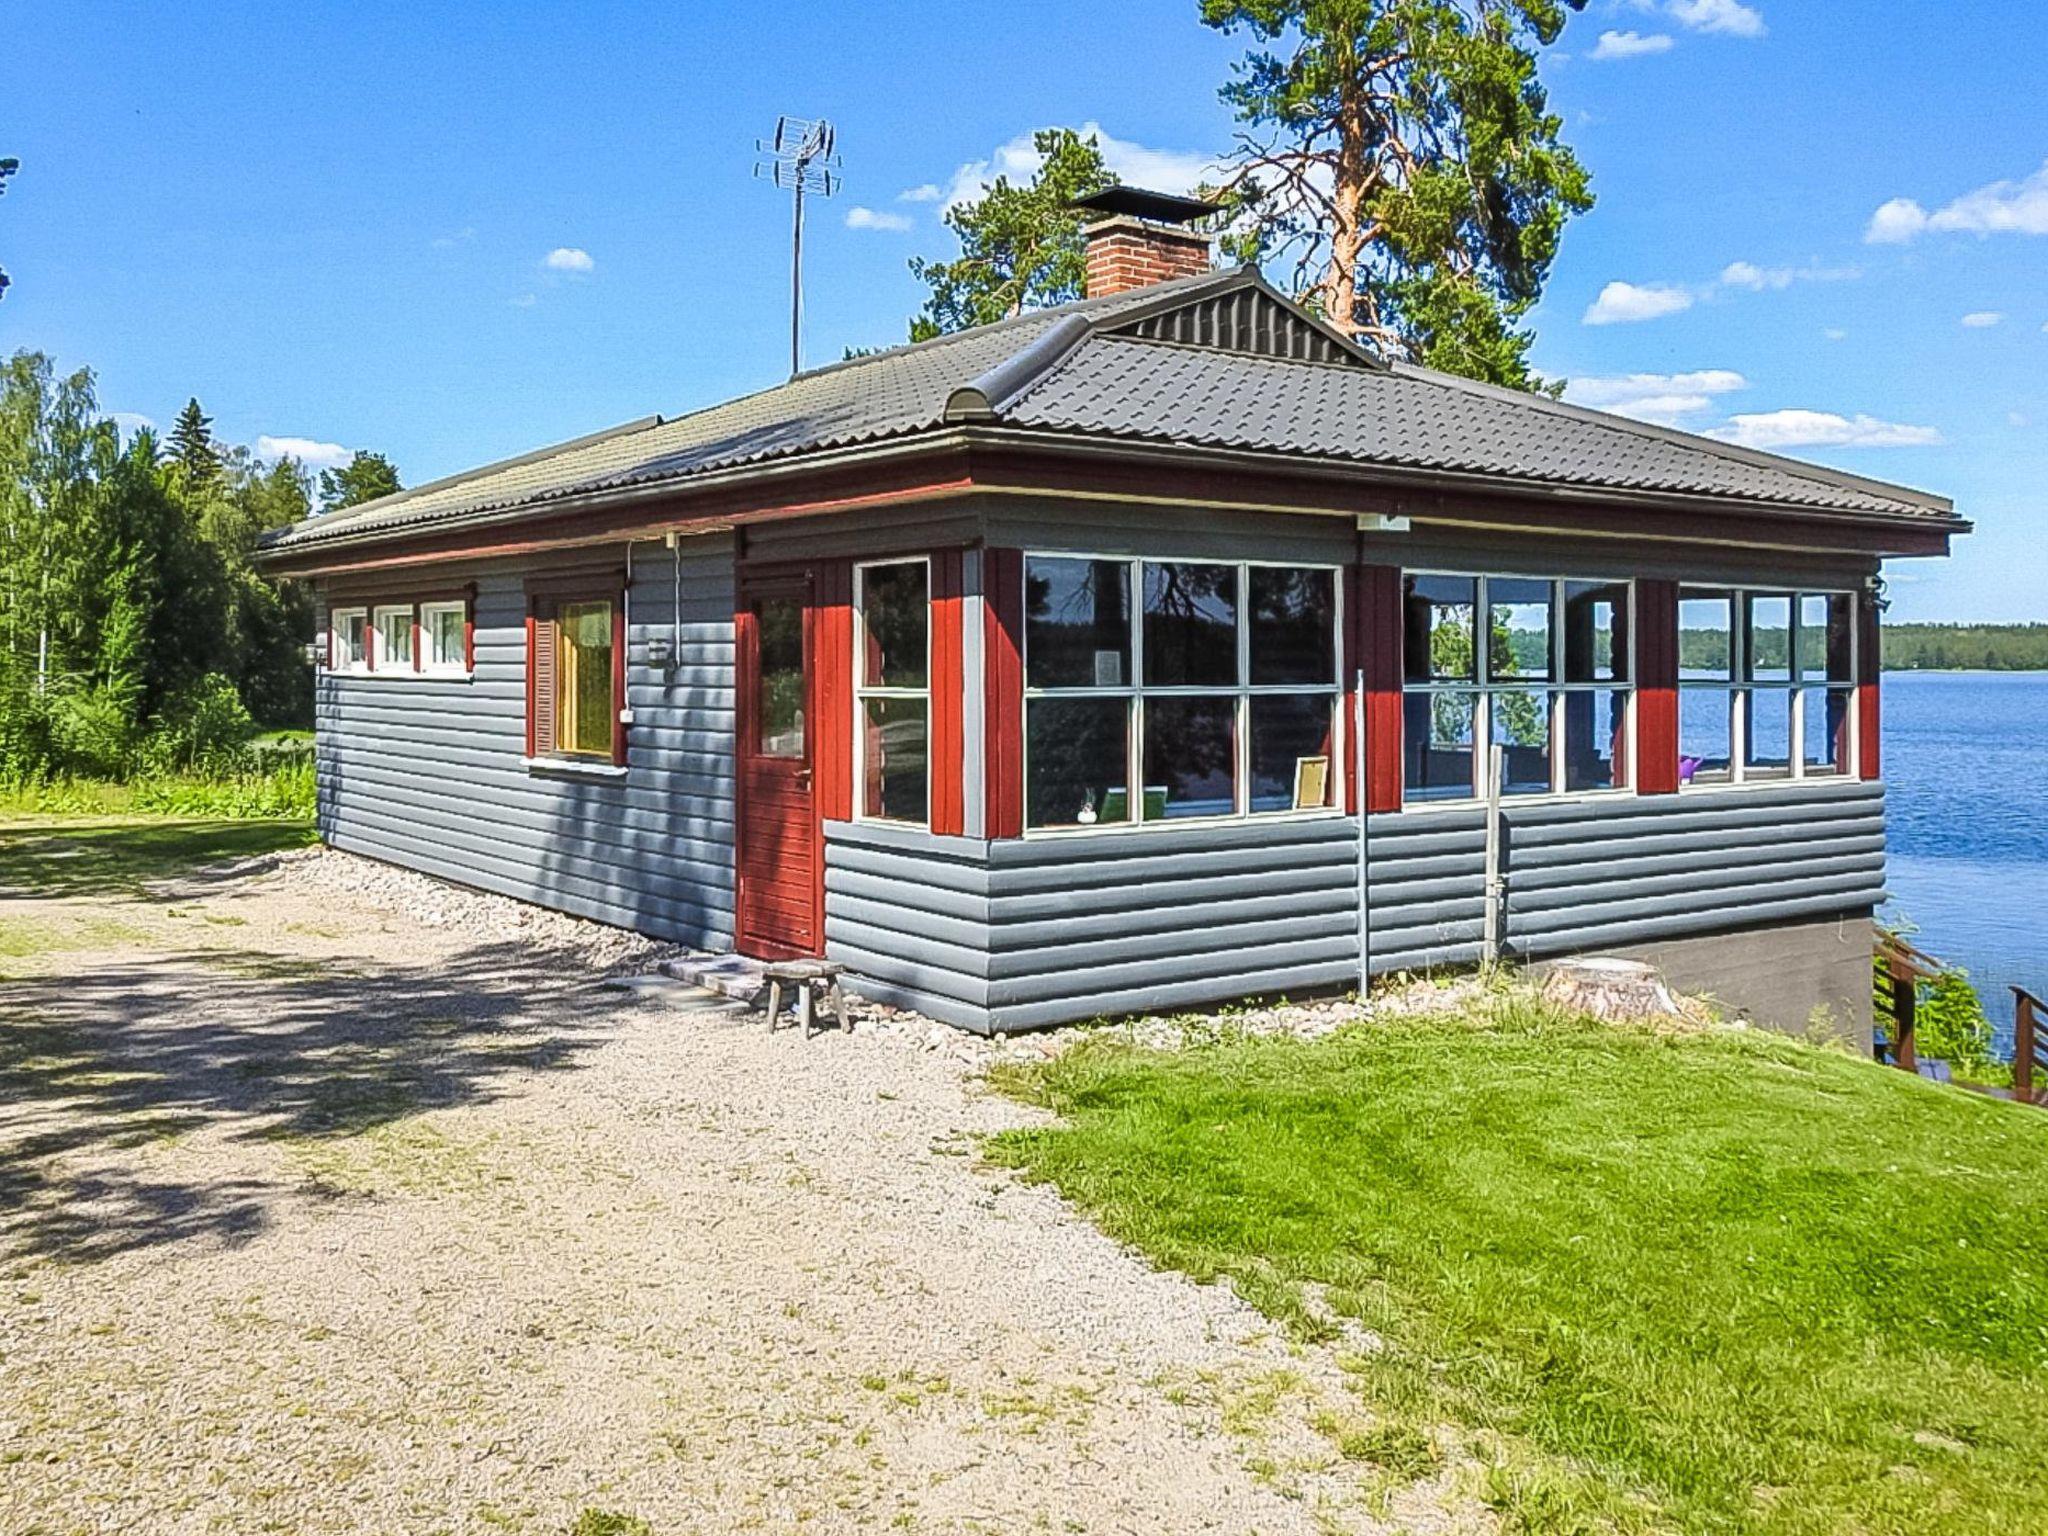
[(334, 223)]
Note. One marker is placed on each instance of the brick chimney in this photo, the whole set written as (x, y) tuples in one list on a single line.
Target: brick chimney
[(1141, 239)]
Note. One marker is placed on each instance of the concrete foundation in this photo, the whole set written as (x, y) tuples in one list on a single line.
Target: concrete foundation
[(1810, 978)]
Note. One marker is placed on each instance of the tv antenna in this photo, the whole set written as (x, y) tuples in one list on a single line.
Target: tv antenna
[(800, 160)]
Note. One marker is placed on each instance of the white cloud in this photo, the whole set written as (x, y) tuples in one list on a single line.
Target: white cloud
[(1623, 303), (929, 192), (1158, 170), (1835, 333), (2000, 208), (1982, 319), (132, 422), (1630, 45), (460, 237), (858, 217), (1664, 399), (568, 258), (1821, 429), (310, 452), (1747, 274), (1729, 17)]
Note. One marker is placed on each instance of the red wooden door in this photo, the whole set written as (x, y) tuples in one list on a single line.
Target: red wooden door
[(780, 871)]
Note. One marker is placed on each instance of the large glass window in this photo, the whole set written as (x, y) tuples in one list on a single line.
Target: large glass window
[(584, 708), (443, 637), (1157, 690), (892, 683), (348, 640), (393, 639), (1766, 681), (1535, 667)]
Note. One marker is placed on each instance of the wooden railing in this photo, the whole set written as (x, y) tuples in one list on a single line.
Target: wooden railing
[(2029, 1047), (1900, 970)]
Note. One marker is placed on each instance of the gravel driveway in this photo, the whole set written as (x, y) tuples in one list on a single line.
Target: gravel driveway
[(329, 1204)]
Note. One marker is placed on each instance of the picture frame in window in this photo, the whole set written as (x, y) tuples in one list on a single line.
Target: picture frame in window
[(1311, 783)]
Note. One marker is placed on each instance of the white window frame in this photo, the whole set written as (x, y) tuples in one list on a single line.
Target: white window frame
[(358, 660), (1740, 686), (379, 661), (459, 667), (1135, 691), (1556, 687), (862, 692)]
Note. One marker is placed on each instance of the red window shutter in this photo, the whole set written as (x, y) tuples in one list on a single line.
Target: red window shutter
[(1381, 636), (1656, 621), (831, 662), (948, 805), (619, 682), (540, 684)]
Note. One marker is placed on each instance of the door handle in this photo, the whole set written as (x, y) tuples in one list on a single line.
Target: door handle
[(803, 778)]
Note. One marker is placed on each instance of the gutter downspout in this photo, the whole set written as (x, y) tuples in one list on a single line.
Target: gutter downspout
[(1364, 916)]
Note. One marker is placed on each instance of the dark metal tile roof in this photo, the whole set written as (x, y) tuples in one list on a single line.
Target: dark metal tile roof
[(1187, 362)]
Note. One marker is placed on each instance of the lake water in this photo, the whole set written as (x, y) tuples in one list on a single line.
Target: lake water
[(1966, 778)]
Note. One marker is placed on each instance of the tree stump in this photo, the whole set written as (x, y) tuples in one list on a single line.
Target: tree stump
[(1617, 991)]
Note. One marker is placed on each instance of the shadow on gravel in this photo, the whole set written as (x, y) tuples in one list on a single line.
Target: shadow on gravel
[(96, 1067), (69, 856)]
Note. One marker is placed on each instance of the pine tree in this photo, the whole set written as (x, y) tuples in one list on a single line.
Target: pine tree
[(1020, 247), (365, 477), (193, 449), (1402, 155)]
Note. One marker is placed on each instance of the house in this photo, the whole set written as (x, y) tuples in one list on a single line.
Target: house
[(1149, 651)]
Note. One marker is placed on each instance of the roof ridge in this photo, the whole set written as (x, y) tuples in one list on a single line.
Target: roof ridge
[(1757, 458)]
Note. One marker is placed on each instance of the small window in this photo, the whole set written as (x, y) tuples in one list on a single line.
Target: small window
[(444, 637), (892, 679), (1552, 666), (1766, 685), (393, 639), (573, 675), (348, 640)]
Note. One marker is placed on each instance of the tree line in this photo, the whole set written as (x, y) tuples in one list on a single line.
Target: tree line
[(1966, 647), (136, 633)]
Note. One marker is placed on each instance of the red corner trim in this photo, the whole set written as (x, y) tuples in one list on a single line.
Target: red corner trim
[(1379, 646), (1656, 621), (949, 694), (1003, 690), (1869, 690)]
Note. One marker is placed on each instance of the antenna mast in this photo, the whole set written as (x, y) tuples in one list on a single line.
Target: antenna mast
[(800, 160)]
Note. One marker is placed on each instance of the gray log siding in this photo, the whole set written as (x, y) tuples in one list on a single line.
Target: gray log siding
[(427, 772), (1595, 874)]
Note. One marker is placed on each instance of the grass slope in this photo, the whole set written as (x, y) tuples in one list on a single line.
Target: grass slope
[(1718, 1283)]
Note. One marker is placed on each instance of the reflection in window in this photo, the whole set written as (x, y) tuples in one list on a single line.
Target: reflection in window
[(1766, 685), (348, 647), (442, 643), (1235, 711), (779, 677), (892, 606), (1570, 735), (393, 639), (583, 679)]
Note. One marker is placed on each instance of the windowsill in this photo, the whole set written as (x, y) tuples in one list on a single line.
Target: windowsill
[(573, 768), (397, 675), (1162, 825)]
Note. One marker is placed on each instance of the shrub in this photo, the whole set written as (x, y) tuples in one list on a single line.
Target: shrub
[(202, 727)]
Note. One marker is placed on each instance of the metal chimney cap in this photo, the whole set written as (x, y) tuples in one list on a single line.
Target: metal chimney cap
[(1160, 207)]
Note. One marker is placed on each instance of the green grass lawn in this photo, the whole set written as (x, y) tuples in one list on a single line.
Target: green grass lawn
[(1715, 1283), (103, 856)]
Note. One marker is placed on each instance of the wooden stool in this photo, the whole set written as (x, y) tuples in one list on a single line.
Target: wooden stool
[(810, 978)]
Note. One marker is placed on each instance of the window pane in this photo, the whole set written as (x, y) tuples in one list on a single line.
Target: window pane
[(1521, 729), (779, 677), (1767, 737), (1826, 729), (1595, 739), (893, 757), (1190, 625), (1770, 637), (895, 609), (394, 637), (1292, 767), (1437, 745), (1294, 625), (1077, 762), (349, 635), (1518, 629), (441, 633), (1704, 715), (1705, 636), (1077, 624), (1190, 757), (583, 706), (1437, 628), (1596, 632)]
